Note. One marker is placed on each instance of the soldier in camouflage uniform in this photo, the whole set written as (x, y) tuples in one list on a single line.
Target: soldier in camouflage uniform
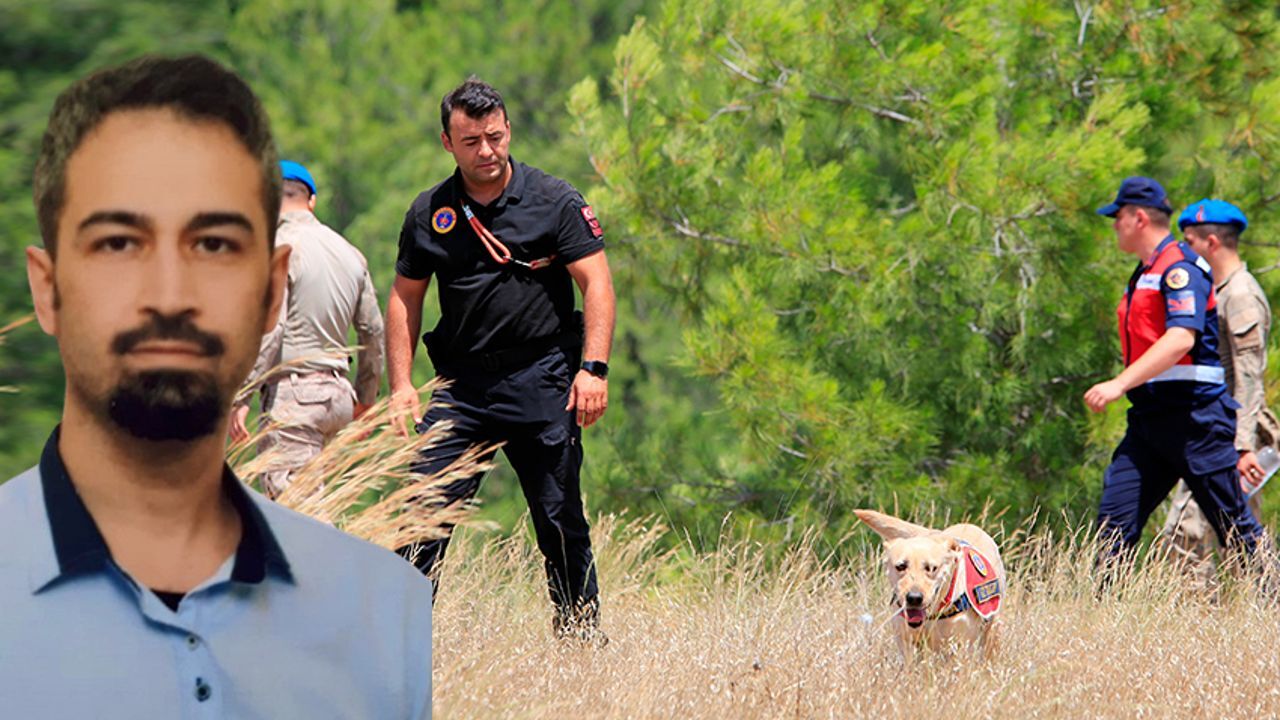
[(1212, 228), (329, 292)]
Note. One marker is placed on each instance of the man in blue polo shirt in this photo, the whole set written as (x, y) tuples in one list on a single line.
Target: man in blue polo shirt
[(138, 577), (1182, 422)]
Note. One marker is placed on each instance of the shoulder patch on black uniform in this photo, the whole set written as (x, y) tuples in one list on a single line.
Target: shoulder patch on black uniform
[(590, 216)]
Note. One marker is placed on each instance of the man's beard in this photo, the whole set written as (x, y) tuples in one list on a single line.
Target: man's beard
[(167, 405)]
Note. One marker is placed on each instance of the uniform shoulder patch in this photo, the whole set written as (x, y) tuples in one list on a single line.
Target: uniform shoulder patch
[(1181, 304), (1177, 278), (443, 220), (594, 224)]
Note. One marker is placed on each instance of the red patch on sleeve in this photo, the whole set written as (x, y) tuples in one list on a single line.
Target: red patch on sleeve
[(590, 216)]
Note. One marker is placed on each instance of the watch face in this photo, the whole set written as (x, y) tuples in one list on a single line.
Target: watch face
[(597, 368)]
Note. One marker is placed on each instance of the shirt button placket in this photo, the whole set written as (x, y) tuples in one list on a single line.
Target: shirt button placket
[(196, 665)]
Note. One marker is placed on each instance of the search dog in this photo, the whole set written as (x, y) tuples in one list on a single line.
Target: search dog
[(948, 585)]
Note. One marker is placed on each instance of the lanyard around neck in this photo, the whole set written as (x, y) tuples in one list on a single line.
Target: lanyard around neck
[(497, 250)]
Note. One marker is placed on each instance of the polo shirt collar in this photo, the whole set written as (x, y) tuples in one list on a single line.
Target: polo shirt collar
[(513, 192), (79, 547), (1159, 249), (515, 187), (1230, 275)]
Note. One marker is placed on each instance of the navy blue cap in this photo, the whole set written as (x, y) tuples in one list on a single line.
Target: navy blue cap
[(1138, 190), (1215, 212), (291, 170)]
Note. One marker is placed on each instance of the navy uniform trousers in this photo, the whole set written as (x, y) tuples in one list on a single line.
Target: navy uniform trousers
[(523, 408), (1160, 446)]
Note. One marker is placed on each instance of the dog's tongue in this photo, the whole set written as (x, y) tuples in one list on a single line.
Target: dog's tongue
[(914, 616)]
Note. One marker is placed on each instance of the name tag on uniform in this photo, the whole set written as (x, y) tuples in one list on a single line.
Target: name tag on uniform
[(1150, 281)]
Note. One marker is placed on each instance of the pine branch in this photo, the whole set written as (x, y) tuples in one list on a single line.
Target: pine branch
[(784, 76)]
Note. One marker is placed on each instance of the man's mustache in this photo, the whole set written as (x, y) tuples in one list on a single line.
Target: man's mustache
[(169, 327)]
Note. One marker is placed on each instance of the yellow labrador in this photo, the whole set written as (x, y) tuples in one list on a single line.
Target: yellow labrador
[(947, 585)]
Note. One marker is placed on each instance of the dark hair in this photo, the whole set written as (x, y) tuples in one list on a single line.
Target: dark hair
[(193, 86), (296, 189), (1228, 233), (474, 97), (1158, 217)]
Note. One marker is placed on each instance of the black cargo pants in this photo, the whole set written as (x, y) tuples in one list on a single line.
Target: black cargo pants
[(524, 408)]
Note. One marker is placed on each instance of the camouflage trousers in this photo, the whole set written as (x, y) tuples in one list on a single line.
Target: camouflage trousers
[(1191, 540), (304, 412)]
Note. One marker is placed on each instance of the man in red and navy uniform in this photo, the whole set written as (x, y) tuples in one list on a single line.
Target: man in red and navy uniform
[(1182, 421)]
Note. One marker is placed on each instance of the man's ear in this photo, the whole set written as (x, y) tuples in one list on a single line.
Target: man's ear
[(311, 203), (279, 279), (446, 141), (44, 288)]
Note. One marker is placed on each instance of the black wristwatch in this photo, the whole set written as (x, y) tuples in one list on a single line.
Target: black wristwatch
[(599, 368)]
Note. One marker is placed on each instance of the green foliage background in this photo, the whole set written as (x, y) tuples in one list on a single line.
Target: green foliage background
[(853, 242)]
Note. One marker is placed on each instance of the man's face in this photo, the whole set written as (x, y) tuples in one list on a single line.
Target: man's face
[(1198, 240), (480, 146), (163, 283), (1127, 224)]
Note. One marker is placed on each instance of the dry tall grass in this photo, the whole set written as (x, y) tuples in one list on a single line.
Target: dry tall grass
[(361, 482), (724, 635)]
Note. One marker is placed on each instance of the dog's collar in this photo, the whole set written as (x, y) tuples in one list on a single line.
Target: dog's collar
[(955, 607)]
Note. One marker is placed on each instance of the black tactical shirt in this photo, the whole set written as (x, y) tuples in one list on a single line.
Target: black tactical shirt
[(487, 306)]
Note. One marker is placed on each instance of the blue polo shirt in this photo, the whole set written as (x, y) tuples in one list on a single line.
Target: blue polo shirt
[(302, 621)]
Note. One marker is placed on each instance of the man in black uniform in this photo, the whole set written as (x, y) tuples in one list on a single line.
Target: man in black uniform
[(506, 242)]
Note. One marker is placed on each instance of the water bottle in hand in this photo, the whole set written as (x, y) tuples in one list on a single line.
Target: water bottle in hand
[(1269, 459)]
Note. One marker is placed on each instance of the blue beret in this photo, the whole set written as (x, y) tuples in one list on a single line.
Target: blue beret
[(291, 170), (1213, 212), (1138, 190)]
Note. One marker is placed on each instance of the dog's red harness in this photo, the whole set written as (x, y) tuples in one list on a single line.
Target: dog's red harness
[(973, 585)]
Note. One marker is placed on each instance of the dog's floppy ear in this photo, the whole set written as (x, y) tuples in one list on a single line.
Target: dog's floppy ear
[(889, 527)]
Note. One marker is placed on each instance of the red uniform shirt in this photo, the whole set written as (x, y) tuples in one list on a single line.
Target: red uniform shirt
[(1173, 288)]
